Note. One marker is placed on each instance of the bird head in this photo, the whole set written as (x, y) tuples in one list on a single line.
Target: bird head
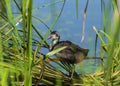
[(54, 35)]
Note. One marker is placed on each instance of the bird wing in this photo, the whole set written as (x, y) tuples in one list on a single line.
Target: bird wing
[(71, 48), (68, 54)]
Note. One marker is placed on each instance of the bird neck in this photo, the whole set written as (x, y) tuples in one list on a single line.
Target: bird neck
[(54, 42)]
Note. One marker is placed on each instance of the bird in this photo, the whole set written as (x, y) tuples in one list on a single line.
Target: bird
[(72, 54)]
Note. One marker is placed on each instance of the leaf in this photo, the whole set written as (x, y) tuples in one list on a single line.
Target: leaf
[(77, 9), (55, 51)]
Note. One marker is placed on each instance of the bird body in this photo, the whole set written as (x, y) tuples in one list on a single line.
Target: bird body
[(72, 54)]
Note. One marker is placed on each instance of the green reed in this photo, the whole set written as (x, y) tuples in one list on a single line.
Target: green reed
[(23, 63)]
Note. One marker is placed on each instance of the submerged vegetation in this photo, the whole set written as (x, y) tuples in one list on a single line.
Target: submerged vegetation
[(23, 63)]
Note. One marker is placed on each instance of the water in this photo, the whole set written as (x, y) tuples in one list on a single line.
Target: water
[(69, 26)]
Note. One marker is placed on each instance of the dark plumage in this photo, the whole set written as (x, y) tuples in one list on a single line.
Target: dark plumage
[(72, 54)]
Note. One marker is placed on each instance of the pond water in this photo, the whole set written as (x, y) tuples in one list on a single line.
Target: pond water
[(69, 26)]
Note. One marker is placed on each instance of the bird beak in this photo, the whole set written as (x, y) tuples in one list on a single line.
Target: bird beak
[(49, 37)]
